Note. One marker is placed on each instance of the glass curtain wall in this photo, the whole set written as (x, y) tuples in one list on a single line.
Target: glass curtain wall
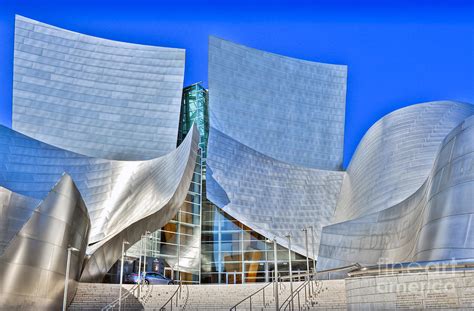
[(194, 109), (177, 246), (203, 242), (232, 253)]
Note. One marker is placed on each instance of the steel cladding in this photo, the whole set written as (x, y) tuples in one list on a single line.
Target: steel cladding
[(395, 157), (97, 97), (282, 107), (107, 114), (433, 223), (33, 263), (276, 139), (102, 118), (274, 166)]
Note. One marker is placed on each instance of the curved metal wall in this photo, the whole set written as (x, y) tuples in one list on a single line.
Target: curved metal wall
[(158, 198), (395, 157), (434, 223), (271, 197), (285, 108), (33, 264), (113, 190), (276, 139), (15, 210), (109, 188), (93, 96)]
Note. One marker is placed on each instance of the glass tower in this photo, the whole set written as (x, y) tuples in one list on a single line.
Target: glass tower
[(202, 242), (194, 109), (177, 246)]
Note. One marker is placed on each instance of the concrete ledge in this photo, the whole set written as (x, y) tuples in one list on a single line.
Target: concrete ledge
[(423, 290)]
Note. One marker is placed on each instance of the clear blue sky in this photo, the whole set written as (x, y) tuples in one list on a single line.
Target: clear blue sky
[(398, 52)]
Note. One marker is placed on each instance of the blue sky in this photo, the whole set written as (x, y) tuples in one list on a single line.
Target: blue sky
[(398, 52)]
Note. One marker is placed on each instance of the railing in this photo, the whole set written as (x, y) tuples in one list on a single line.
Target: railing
[(176, 295), (305, 275), (144, 297), (114, 303), (410, 267), (249, 298), (185, 304), (289, 303), (311, 287)]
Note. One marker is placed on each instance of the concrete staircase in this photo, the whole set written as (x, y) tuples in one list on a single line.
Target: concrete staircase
[(219, 297), (95, 296), (91, 297), (330, 295)]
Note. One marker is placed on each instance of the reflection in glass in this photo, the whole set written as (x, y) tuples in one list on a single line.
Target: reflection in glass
[(232, 253)]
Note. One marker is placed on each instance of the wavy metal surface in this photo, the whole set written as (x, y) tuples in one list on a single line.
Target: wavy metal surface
[(15, 210), (109, 188), (289, 109), (276, 132), (395, 157), (33, 264), (113, 190), (108, 251), (270, 196), (97, 97), (434, 223)]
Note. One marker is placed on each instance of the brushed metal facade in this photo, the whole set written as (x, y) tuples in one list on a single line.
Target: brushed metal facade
[(276, 139), (271, 197), (15, 210), (395, 157), (433, 223), (93, 96), (33, 261), (122, 197), (289, 109), (157, 200)]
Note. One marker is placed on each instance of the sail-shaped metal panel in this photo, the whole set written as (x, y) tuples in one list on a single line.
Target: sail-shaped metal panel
[(97, 97)]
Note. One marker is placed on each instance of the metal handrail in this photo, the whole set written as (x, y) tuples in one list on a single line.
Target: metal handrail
[(311, 274), (178, 290), (416, 266), (354, 265), (290, 300), (111, 305), (144, 297), (250, 297), (287, 300), (185, 304)]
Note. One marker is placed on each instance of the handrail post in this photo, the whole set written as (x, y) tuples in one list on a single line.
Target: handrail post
[(250, 303), (176, 299), (299, 301), (279, 283), (275, 257), (264, 297), (273, 283), (305, 295)]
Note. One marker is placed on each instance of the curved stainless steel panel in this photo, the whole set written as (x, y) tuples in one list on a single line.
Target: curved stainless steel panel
[(33, 264), (435, 223), (112, 190), (15, 210), (276, 132), (270, 196), (93, 96), (395, 157), (158, 197), (289, 109)]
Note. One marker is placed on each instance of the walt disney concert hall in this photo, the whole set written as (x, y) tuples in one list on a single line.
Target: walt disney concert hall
[(108, 153)]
